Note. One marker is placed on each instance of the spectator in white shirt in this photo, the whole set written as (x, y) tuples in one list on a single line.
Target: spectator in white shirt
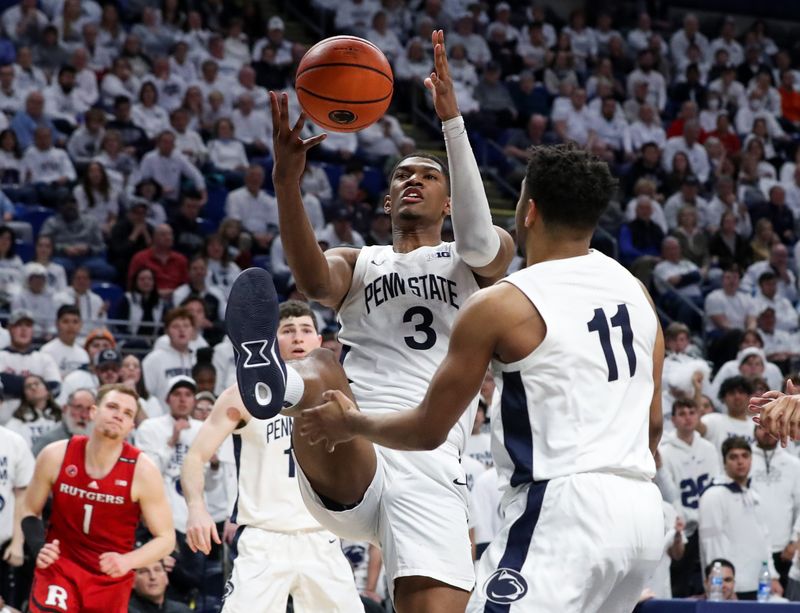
[(120, 81), (646, 72), (226, 154), (753, 110), (674, 273), (12, 97), (724, 201), (686, 196), (180, 64), (275, 38), (146, 114), (574, 122), (612, 134), (339, 232), (733, 524), (690, 33), (188, 141), (212, 81), (37, 299), (688, 144), (257, 210), (167, 166), (98, 197), (23, 22), (647, 129), (247, 85), (775, 476), (384, 37), (639, 37), (64, 349), (414, 64), (732, 93), (315, 182), (176, 358), (252, 127), (62, 101), (477, 48), (727, 308), (228, 66), (779, 346), (47, 168), (85, 78), (779, 263), (94, 311), (786, 317), (727, 41), (355, 16), (28, 76), (169, 86)]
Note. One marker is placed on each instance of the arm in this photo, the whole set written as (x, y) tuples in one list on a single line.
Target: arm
[(322, 277), (224, 419), (44, 475), (486, 249), (148, 491), (374, 564), (656, 415), (456, 382)]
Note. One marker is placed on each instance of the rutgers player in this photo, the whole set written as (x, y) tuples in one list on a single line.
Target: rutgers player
[(100, 486)]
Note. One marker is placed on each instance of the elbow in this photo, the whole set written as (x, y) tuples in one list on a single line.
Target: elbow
[(430, 440)]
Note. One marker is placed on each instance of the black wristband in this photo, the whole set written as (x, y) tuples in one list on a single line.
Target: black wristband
[(33, 530)]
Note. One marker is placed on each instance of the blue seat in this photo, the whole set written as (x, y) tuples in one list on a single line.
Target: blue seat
[(208, 226), (36, 216), (374, 181), (334, 172), (215, 206), (24, 250), (109, 292)]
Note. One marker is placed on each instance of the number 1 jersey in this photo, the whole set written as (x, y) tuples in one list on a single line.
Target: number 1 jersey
[(93, 516), (396, 323), (580, 402)]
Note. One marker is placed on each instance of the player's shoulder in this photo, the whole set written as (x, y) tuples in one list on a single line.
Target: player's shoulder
[(52, 455), (146, 471)]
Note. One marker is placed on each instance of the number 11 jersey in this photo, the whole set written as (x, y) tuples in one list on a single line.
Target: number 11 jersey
[(580, 402), (396, 323)]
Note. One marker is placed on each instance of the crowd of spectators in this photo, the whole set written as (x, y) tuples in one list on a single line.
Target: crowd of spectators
[(135, 159)]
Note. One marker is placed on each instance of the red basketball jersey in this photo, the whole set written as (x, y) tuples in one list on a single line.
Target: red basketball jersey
[(93, 516)]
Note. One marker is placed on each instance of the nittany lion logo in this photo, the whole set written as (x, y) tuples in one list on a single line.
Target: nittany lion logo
[(228, 589), (256, 354), (504, 586)]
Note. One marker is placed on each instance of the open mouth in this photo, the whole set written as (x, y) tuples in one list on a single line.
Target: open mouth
[(411, 195)]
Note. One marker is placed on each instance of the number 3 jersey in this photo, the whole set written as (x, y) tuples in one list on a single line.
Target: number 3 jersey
[(93, 516), (580, 402), (396, 323)]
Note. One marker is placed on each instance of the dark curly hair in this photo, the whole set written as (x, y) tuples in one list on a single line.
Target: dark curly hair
[(571, 187)]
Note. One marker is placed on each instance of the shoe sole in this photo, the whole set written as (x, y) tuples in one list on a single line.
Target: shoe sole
[(251, 320)]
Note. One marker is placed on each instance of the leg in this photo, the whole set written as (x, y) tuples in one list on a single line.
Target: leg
[(426, 595), (344, 475)]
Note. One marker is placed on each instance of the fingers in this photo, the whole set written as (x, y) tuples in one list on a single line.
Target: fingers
[(276, 114), (285, 113), (314, 141), (215, 535), (790, 387), (298, 125)]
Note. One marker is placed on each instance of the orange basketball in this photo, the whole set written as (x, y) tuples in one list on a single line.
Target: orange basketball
[(344, 83)]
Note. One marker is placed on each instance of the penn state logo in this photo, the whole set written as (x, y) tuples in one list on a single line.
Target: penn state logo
[(505, 586), (342, 116), (71, 470), (355, 554), (228, 589)]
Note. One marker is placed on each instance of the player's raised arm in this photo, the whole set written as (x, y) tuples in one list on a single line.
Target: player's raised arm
[(485, 248), (44, 475), (324, 277), (225, 417), (477, 330), (148, 490)]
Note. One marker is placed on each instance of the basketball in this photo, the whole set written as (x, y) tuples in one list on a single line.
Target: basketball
[(344, 83)]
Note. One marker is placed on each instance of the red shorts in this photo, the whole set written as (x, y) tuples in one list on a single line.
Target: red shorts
[(66, 586)]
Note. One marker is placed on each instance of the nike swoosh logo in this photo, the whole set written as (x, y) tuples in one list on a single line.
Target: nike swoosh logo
[(457, 482), (332, 540), (376, 263)]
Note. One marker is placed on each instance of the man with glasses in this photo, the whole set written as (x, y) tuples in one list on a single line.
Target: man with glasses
[(76, 420)]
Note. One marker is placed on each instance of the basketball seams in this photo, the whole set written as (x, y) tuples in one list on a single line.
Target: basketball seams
[(302, 71), (326, 99)]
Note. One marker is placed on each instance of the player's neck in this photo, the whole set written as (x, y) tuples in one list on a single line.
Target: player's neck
[(543, 248), (405, 240), (101, 455)]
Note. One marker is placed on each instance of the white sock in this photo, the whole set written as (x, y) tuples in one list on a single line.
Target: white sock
[(294, 387)]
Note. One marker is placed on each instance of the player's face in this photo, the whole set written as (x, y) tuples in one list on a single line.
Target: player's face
[(737, 463), (151, 581), (297, 337), (685, 419), (418, 190), (115, 414)]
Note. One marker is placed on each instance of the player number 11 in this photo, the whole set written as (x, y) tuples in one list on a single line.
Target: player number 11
[(87, 517), (599, 324)]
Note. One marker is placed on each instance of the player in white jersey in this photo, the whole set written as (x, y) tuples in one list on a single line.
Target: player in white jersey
[(577, 351), (396, 306), (281, 550)]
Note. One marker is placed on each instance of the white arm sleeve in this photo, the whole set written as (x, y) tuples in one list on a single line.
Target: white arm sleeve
[(477, 241)]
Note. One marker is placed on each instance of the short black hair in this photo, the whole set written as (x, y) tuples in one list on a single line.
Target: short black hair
[(296, 308), (734, 384), (67, 309), (570, 186), (735, 442), (427, 156), (722, 562), (683, 403)]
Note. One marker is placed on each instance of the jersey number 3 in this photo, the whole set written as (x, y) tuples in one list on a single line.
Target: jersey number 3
[(424, 336), (599, 324)]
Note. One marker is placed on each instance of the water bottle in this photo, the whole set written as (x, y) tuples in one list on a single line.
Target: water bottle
[(764, 583), (715, 583)]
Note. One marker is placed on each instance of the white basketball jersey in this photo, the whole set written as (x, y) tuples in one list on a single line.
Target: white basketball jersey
[(396, 323), (580, 402), (269, 497)]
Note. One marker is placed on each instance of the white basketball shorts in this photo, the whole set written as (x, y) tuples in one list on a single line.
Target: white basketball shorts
[(415, 510), (269, 566), (584, 543)]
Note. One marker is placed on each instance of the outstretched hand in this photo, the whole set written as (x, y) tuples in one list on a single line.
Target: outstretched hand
[(440, 83), (288, 148), (779, 414), (328, 422)]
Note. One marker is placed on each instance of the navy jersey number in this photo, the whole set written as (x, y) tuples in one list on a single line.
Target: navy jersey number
[(691, 491), (599, 324), (289, 453), (424, 336)]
